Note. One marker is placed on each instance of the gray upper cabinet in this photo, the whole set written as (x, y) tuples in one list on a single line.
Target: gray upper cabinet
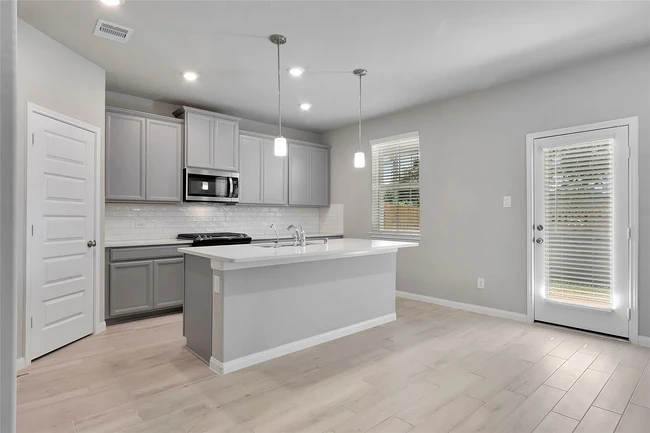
[(211, 139), (299, 177), (199, 130), (319, 177), (262, 175), (125, 157), (143, 157), (275, 175), (250, 170), (164, 161)]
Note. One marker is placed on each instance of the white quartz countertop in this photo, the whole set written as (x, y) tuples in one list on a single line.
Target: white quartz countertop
[(155, 242), (145, 242), (335, 248)]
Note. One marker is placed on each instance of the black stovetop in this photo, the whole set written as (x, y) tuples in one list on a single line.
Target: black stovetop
[(219, 238)]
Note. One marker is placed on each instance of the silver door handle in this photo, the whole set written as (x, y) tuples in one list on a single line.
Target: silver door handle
[(540, 227), (539, 241), (91, 244)]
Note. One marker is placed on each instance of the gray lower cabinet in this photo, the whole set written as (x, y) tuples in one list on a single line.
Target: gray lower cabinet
[(131, 287), (143, 157), (142, 280), (168, 282)]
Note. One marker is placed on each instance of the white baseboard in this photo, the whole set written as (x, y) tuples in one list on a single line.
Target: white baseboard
[(20, 364), (467, 307), (266, 355), (101, 327), (644, 341)]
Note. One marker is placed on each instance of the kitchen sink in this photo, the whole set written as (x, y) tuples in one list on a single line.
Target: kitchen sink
[(285, 244)]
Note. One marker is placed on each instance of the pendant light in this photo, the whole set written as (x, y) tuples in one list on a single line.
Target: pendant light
[(359, 156), (280, 143)]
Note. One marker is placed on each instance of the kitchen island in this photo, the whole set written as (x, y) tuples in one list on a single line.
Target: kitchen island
[(246, 304)]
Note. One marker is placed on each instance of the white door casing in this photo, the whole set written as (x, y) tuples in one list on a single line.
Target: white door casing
[(556, 285), (62, 271)]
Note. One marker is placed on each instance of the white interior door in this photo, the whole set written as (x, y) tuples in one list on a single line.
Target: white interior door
[(61, 206), (581, 208)]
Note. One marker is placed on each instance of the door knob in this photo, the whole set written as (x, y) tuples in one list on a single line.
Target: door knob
[(540, 227), (91, 244), (539, 241)]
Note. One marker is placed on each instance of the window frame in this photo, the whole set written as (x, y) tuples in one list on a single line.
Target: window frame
[(374, 233)]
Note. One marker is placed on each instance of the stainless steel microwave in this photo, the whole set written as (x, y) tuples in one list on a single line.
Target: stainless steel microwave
[(211, 185)]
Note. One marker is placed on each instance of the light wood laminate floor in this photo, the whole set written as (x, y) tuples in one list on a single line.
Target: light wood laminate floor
[(434, 370)]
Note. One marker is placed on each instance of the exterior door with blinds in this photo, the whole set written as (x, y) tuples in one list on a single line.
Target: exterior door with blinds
[(581, 208)]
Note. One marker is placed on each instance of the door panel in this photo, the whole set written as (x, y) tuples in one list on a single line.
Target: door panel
[(131, 287), (125, 157), (319, 174), (299, 179), (581, 225), (250, 170), (61, 205), (275, 175), (163, 161), (200, 141), (225, 145), (169, 282)]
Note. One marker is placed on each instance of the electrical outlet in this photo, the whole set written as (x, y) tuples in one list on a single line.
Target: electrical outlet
[(507, 201), (480, 283)]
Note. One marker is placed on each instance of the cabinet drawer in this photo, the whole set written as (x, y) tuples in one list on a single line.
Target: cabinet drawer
[(148, 253)]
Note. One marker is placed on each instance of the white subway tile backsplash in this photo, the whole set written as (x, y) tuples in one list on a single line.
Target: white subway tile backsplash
[(151, 221)]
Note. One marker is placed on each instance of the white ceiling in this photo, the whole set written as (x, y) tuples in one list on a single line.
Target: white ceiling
[(414, 51)]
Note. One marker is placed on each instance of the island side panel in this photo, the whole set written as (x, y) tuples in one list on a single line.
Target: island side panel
[(197, 309), (271, 306)]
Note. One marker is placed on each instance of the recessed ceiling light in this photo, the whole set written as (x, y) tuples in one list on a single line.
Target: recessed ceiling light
[(296, 71), (112, 2), (305, 106), (190, 76)]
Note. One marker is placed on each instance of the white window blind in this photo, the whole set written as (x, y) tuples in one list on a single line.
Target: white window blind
[(396, 186), (579, 207)]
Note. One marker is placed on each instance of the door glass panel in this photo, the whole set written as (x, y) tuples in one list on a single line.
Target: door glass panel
[(578, 201)]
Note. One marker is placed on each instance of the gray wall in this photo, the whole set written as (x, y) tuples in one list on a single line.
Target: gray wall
[(7, 275), (130, 102), (52, 76), (473, 151)]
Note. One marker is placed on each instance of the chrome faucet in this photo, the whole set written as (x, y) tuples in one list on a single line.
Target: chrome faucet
[(298, 235), (276, 244)]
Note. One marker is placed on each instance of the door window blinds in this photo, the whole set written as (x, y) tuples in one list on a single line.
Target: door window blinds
[(579, 205), (396, 186)]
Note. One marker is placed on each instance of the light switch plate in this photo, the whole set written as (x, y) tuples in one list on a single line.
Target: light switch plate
[(480, 283), (507, 201), (216, 283)]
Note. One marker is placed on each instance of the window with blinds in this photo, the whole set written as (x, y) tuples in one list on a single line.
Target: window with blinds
[(579, 211), (396, 186)]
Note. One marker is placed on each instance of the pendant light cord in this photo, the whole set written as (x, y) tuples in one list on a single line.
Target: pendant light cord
[(360, 113), (279, 97)]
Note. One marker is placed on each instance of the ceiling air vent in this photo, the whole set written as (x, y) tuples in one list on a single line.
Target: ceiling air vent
[(112, 31)]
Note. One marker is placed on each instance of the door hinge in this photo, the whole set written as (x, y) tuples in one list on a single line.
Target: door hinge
[(33, 138), (629, 314), (32, 230), (32, 321), (629, 232), (629, 152)]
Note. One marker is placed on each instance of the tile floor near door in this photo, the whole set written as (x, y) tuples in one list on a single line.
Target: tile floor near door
[(434, 370)]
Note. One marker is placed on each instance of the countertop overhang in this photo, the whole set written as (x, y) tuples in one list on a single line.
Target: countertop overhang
[(230, 257)]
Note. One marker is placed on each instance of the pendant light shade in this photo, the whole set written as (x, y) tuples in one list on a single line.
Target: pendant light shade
[(280, 143), (280, 146), (359, 156), (359, 160)]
